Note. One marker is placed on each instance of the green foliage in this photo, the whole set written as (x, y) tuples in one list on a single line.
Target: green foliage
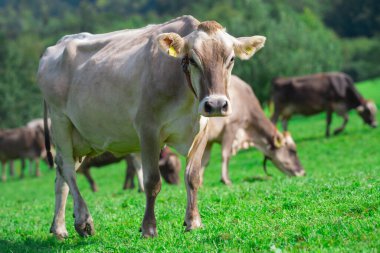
[(335, 208), (298, 41), (362, 57), (352, 18)]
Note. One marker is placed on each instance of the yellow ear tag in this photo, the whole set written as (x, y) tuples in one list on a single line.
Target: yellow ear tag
[(172, 51), (278, 142), (248, 50)]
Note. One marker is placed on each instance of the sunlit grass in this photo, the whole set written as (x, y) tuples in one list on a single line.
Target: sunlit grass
[(334, 209)]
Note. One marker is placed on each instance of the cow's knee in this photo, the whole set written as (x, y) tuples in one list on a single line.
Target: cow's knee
[(152, 184), (194, 180)]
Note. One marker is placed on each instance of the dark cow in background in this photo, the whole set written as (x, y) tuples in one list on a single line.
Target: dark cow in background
[(169, 166), (21, 143), (312, 94), (248, 126)]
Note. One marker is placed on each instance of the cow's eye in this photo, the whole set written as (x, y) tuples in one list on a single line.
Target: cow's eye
[(231, 62), (192, 62)]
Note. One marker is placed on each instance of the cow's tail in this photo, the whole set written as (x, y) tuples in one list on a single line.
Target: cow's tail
[(47, 137)]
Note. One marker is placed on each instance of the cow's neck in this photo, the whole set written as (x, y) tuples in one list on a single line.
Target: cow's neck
[(260, 128), (354, 98)]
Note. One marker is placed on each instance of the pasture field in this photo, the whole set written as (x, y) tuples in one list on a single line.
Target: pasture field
[(335, 208)]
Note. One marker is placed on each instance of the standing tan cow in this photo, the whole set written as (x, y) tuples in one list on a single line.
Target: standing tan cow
[(248, 126), (134, 91)]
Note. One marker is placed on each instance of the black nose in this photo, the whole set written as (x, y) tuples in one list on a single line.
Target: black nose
[(208, 107), (216, 107), (225, 106)]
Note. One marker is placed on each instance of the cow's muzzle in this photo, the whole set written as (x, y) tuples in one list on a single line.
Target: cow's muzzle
[(374, 124), (215, 106)]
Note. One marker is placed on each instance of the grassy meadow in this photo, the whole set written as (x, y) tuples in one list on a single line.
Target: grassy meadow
[(335, 208)]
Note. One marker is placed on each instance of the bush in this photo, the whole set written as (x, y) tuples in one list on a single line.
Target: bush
[(361, 58)]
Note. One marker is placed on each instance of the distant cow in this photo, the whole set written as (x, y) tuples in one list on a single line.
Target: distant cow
[(169, 166), (248, 126), (312, 94), (135, 91), (21, 143)]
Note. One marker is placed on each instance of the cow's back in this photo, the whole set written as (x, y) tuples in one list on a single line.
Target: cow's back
[(93, 80), (303, 95), (60, 64), (245, 110)]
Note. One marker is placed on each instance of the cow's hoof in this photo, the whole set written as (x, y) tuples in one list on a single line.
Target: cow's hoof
[(86, 228), (60, 234), (226, 181), (148, 232), (336, 132), (193, 224)]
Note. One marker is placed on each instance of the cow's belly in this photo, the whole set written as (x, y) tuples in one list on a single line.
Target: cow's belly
[(303, 109), (181, 132), (104, 135)]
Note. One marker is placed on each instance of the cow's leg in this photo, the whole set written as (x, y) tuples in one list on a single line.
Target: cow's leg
[(193, 180), (284, 123), (84, 168), (62, 129), (137, 164), (275, 116), (87, 174), (30, 166), (205, 161), (130, 173), (58, 227), (328, 122), (341, 128), (150, 151), (3, 171), (22, 173), (11, 168), (227, 141), (37, 162)]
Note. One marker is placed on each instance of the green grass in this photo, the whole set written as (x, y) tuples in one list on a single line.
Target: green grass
[(334, 209)]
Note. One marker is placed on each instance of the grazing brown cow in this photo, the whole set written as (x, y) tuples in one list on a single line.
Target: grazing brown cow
[(21, 143), (169, 166), (312, 94), (248, 126), (134, 91)]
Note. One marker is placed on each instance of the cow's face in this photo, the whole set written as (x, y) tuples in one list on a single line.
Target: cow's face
[(283, 154), (211, 53), (367, 112)]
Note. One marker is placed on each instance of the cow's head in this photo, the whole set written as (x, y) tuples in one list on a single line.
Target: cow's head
[(211, 53), (367, 112), (170, 166), (283, 153)]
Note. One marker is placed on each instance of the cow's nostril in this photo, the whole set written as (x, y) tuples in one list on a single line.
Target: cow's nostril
[(208, 107), (225, 106)]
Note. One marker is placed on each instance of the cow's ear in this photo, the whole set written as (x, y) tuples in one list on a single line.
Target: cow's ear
[(171, 44), (278, 140), (245, 47), (289, 140)]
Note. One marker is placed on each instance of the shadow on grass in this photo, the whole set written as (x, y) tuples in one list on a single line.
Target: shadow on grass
[(332, 136), (257, 179), (312, 138), (39, 245)]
